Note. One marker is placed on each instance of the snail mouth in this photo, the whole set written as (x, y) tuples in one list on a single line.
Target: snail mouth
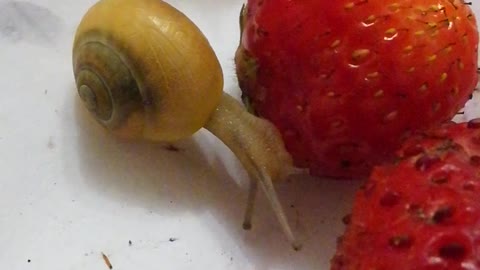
[(105, 84)]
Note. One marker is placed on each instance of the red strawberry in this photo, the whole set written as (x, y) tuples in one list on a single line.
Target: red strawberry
[(345, 81), (422, 213)]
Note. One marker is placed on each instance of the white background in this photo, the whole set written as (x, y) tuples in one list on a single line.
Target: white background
[(69, 191)]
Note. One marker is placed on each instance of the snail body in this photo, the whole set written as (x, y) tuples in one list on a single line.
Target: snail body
[(145, 70)]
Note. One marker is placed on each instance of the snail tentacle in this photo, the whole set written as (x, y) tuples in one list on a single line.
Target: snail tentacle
[(260, 149), (252, 193), (268, 188)]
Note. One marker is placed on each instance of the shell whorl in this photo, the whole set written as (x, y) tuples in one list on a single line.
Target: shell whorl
[(145, 70), (105, 83)]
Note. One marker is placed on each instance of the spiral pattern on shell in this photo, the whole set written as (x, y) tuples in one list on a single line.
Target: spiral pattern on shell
[(145, 70), (94, 61)]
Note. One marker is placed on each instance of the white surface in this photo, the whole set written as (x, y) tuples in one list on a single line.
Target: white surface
[(68, 191)]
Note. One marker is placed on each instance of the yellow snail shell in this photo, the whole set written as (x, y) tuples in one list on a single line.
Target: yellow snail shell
[(145, 70)]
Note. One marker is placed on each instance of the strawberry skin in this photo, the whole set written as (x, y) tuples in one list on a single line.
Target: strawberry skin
[(422, 213), (345, 81)]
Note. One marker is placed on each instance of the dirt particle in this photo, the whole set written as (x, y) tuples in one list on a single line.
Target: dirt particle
[(107, 261), (51, 143)]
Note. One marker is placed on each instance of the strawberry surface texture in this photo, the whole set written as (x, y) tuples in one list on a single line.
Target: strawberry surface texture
[(422, 212), (345, 82)]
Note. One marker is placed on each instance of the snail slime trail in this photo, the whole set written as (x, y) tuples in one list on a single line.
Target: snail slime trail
[(155, 87)]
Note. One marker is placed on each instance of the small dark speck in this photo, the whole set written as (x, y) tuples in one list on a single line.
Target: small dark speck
[(172, 239), (130, 242), (147, 102), (231, 259), (171, 148), (88, 253), (46, 91), (292, 206), (51, 143), (29, 261)]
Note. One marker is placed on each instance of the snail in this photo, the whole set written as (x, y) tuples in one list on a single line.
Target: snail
[(145, 71)]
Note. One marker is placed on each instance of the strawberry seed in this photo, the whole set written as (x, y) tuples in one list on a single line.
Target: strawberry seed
[(452, 251), (401, 241)]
